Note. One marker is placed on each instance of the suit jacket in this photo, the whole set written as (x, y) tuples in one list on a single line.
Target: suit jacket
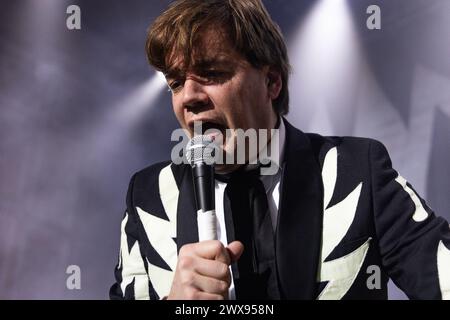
[(347, 222)]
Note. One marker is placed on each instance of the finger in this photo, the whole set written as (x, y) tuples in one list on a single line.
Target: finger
[(211, 249), (213, 268), (208, 296), (210, 285), (235, 250)]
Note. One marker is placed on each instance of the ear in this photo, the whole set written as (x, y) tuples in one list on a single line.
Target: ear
[(274, 83)]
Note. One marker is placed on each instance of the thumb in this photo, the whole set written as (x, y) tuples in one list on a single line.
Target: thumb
[(235, 250)]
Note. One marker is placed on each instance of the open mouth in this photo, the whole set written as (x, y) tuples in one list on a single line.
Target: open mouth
[(208, 127), (212, 127)]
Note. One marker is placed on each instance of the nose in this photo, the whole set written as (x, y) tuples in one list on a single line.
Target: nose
[(194, 96)]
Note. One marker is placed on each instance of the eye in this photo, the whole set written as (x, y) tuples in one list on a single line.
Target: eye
[(174, 85), (215, 76)]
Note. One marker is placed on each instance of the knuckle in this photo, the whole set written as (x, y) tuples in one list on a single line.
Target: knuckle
[(223, 286), (184, 250), (187, 278), (185, 262), (217, 246)]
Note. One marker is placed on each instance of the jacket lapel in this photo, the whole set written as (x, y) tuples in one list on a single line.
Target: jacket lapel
[(187, 229), (298, 236)]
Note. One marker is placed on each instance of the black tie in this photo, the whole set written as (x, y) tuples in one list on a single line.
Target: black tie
[(245, 202)]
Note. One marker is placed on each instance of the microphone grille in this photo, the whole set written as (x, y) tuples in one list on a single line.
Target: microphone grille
[(200, 149)]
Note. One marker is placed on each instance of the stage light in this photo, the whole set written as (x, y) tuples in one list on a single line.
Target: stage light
[(116, 127), (326, 57), (139, 101)]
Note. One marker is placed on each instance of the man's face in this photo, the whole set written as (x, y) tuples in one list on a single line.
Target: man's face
[(223, 91)]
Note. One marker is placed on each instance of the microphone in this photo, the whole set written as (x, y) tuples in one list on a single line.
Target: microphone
[(200, 155)]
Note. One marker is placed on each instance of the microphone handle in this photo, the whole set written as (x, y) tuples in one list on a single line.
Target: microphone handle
[(203, 177)]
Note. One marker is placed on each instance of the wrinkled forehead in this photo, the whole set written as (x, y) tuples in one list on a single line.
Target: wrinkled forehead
[(210, 48)]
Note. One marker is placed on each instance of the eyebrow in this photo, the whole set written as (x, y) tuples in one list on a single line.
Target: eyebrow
[(204, 63), (173, 73), (211, 62)]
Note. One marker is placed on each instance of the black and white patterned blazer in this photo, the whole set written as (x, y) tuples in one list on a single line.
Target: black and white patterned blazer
[(345, 216)]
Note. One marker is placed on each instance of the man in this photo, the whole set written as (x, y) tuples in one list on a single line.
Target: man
[(333, 210)]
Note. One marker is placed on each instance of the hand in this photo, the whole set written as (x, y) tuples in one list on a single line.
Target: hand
[(202, 271)]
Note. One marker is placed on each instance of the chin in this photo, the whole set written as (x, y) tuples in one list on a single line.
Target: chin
[(223, 166)]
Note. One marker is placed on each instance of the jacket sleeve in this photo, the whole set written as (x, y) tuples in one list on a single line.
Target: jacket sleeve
[(132, 281), (413, 242)]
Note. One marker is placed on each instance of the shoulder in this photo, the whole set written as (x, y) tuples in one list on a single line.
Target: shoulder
[(149, 175), (146, 184), (319, 142), (347, 147)]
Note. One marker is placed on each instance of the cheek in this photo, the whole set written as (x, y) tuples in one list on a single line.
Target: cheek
[(240, 93), (234, 101), (224, 98), (252, 97)]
